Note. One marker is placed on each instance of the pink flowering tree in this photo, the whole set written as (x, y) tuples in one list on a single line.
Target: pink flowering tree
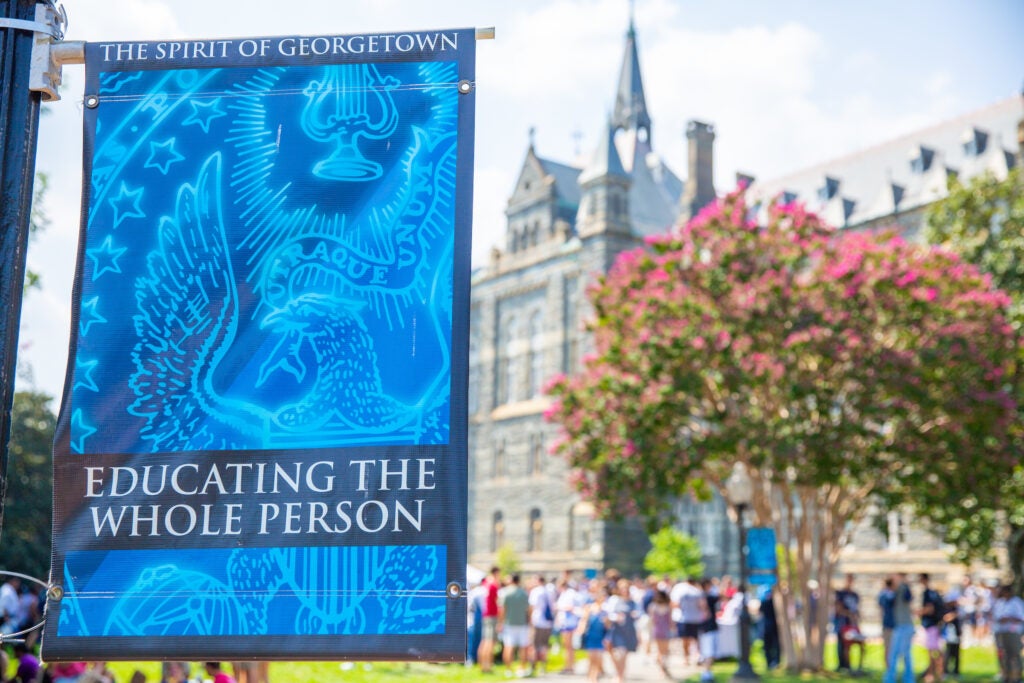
[(836, 366)]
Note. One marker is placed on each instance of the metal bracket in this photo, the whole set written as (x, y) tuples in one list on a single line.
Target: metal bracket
[(48, 56), (34, 26)]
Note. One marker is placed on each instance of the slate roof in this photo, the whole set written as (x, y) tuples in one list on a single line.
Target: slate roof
[(605, 160), (655, 190), (905, 173), (630, 104), (566, 177)]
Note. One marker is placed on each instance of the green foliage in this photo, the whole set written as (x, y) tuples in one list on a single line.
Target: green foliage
[(507, 560), (983, 221), (674, 553), (28, 502)]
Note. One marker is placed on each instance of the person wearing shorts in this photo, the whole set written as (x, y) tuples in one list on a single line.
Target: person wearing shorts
[(932, 608), (593, 630), (515, 627), (489, 632), (542, 622), (689, 604)]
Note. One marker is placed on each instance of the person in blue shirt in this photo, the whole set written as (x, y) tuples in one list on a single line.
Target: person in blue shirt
[(886, 601), (902, 631)]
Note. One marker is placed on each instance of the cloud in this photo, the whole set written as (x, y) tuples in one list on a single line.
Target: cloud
[(133, 19), (781, 95)]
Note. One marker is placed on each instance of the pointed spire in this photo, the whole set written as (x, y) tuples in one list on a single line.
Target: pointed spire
[(630, 104), (606, 161)]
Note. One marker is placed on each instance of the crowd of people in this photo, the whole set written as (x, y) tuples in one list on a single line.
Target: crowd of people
[(966, 614), (21, 608), (603, 619)]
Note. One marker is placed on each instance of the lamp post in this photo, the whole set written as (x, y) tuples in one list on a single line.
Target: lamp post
[(740, 491)]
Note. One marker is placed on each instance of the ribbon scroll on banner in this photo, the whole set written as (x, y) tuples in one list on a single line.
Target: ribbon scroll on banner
[(261, 452)]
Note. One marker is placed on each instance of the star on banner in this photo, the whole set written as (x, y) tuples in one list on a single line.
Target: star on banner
[(203, 113), (126, 204), (162, 155), (83, 430), (83, 375), (105, 257), (88, 316)]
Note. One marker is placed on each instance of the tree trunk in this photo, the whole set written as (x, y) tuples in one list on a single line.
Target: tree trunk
[(1015, 557), (809, 524)]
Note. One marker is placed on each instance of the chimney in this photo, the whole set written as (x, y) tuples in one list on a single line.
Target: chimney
[(700, 180)]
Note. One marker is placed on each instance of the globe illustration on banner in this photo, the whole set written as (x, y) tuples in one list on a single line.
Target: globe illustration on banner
[(168, 600)]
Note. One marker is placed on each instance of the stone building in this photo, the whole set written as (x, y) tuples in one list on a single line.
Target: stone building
[(566, 223)]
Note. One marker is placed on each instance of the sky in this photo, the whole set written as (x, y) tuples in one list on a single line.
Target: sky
[(786, 84)]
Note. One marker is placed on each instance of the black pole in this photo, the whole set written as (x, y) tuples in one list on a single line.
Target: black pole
[(744, 672), (19, 125)]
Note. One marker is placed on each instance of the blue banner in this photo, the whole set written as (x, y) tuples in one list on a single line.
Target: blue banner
[(761, 556), (261, 451)]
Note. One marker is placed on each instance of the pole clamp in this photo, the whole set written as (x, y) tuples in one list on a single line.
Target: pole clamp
[(48, 32)]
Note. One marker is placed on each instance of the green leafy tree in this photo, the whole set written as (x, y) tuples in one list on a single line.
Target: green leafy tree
[(507, 559), (836, 366), (29, 495), (983, 221), (674, 553)]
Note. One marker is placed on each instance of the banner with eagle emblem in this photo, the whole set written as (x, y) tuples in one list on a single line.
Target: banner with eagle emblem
[(262, 444)]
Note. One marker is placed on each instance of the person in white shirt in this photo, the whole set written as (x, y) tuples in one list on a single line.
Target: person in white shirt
[(568, 608), (1007, 627), (9, 605), (688, 607)]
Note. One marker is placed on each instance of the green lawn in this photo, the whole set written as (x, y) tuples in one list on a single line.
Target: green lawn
[(325, 672), (978, 665)]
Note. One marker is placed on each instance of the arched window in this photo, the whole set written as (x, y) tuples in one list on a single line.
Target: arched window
[(536, 534), (500, 467), (535, 464), (497, 531), (571, 331), (535, 363), (509, 364), (581, 524)]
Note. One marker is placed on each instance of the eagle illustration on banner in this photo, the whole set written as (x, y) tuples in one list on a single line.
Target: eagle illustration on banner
[(268, 316)]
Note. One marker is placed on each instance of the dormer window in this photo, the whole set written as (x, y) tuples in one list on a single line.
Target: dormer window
[(829, 190), (975, 140), (848, 205), (897, 195), (921, 159)]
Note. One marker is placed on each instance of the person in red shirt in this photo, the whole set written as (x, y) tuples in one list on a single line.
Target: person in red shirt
[(213, 669), (485, 655)]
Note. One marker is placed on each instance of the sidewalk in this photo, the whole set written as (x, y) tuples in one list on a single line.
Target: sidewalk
[(639, 667)]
